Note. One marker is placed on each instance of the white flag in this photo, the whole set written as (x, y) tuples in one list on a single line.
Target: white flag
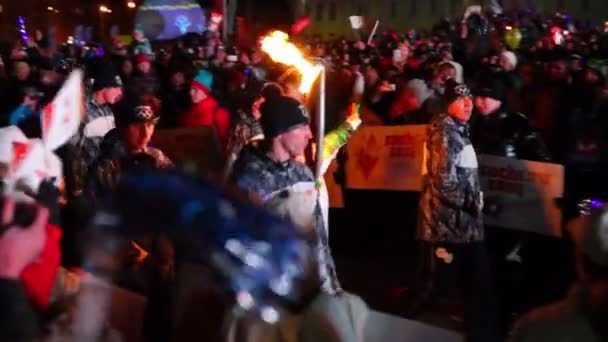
[(216, 20), (9, 135), (31, 164), (356, 22), (61, 118)]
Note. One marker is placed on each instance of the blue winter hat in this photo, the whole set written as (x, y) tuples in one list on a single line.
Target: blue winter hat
[(203, 81)]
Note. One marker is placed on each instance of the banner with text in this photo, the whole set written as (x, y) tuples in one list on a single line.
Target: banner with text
[(386, 158), (197, 145), (520, 194)]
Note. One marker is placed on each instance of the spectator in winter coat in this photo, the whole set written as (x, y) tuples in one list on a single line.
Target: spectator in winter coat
[(144, 82), (127, 145), (273, 169), (176, 100), (141, 44), (582, 316), (99, 119), (450, 225), (19, 248), (205, 110)]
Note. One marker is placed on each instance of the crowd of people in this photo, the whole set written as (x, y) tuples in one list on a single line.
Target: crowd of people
[(514, 85)]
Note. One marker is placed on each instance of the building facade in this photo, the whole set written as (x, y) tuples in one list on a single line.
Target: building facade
[(331, 16)]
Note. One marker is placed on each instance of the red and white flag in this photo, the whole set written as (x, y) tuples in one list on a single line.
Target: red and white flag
[(215, 21), (31, 164), (61, 118)]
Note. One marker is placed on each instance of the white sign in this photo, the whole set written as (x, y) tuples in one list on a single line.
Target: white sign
[(521, 194)]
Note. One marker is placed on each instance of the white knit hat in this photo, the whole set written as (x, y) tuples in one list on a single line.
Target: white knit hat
[(420, 90), (510, 57)]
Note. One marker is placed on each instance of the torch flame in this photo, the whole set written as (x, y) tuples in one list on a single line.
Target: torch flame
[(281, 50)]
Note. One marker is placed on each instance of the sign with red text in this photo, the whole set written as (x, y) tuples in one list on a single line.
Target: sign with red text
[(386, 158), (520, 194)]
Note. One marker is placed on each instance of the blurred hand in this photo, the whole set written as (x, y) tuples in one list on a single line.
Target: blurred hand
[(354, 119), (386, 87), (30, 102), (20, 246)]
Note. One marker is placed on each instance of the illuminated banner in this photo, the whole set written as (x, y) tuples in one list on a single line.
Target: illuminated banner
[(170, 19), (521, 194), (386, 158)]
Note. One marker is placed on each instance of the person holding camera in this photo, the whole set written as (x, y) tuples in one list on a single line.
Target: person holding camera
[(21, 244)]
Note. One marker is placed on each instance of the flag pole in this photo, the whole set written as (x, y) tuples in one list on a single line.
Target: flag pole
[(371, 36)]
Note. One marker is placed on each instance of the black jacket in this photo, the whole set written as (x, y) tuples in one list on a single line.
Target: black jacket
[(18, 322), (507, 134)]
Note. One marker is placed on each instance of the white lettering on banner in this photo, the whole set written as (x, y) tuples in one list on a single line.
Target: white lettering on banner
[(386, 158), (523, 194)]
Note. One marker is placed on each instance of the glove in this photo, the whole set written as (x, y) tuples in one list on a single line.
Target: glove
[(48, 196)]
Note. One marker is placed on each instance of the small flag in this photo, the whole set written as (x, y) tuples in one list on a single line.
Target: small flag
[(61, 118), (356, 22), (300, 25)]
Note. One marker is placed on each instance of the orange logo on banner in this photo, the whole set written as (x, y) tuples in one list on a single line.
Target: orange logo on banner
[(368, 156), (19, 152)]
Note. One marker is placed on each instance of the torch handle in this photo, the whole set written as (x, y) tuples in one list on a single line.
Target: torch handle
[(320, 125)]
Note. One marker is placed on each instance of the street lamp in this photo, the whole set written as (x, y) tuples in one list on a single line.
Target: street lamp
[(104, 9), (131, 4)]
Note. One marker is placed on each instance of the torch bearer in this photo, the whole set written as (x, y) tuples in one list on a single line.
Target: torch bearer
[(280, 50)]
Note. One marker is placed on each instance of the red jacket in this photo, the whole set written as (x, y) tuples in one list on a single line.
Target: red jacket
[(39, 277), (209, 113)]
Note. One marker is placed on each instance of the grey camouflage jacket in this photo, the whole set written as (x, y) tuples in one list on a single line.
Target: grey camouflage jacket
[(451, 201), (254, 172)]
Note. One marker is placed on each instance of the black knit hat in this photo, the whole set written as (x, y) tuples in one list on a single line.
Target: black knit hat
[(281, 115), (490, 88), (133, 109), (104, 76), (455, 90)]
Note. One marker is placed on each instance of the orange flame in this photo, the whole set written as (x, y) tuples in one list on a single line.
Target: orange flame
[(280, 50)]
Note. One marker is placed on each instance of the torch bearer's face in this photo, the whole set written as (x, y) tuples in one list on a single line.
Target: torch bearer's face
[(296, 140)]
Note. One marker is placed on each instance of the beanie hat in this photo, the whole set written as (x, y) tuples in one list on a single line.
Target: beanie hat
[(135, 109), (455, 90), (138, 28), (141, 58), (104, 76), (420, 90), (203, 81), (491, 88), (271, 91), (281, 115), (510, 56), (459, 71)]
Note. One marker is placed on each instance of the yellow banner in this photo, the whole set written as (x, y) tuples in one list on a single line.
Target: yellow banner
[(386, 158)]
